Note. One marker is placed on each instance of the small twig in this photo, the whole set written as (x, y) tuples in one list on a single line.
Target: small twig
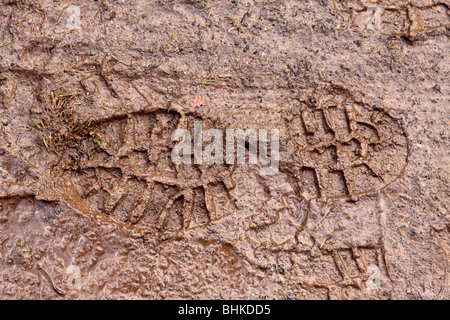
[(55, 287), (439, 243), (127, 64), (4, 44)]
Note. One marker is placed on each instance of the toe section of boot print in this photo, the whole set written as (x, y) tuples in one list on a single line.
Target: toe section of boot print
[(345, 148)]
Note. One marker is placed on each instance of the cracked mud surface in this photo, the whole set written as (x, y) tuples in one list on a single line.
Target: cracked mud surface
[(358, 210)]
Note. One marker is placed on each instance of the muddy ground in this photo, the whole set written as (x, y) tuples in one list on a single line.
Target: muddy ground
[(92, 207)]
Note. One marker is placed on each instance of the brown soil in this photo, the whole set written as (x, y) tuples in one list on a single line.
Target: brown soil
[(358, 89)]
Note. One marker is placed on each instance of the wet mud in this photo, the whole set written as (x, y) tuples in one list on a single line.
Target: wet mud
[(92, 206)]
